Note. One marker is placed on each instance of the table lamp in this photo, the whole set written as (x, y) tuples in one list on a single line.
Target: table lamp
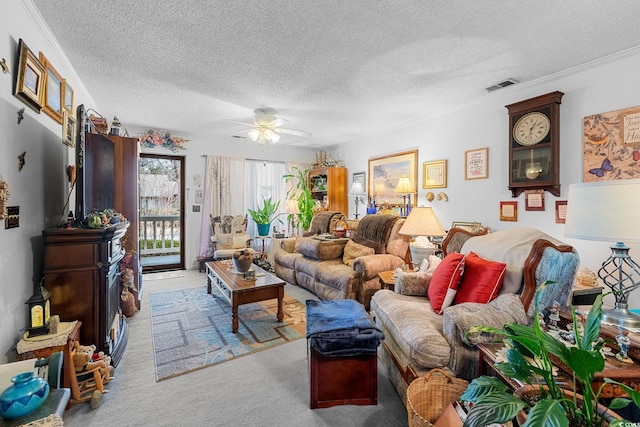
[(609, 211), (406, 189), (358, 192), (422, 221), (291, 209)]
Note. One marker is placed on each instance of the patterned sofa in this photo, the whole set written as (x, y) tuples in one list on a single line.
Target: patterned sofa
[(344, 268), (418, 339)]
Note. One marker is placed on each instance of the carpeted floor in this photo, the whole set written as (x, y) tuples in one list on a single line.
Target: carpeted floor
[(192, 329), (163, 275)]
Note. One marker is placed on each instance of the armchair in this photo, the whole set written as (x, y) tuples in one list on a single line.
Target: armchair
[(229, 233)]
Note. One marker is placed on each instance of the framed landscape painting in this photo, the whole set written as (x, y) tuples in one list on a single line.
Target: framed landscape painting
[(386, 171), (53, 92)]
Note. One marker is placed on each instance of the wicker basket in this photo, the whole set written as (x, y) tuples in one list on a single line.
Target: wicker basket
[(429, 396)]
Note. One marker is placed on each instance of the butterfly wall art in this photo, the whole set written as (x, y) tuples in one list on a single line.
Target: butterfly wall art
[(611, 145)]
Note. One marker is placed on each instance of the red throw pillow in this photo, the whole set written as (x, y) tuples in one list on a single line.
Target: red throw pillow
[(481, 281), (444, 282)]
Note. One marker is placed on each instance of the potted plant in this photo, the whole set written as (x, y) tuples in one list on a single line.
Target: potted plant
[(263, 216), (529, 355), (300, 191)]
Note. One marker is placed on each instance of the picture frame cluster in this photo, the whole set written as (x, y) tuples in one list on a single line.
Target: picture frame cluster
[(39, 85)]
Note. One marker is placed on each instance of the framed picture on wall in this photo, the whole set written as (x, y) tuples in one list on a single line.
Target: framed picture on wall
[(69, 97), (53, 91), (611, 145), (360, 177), (476, 163), (29, 85), (534, 200), (561, 211), (385, 173), (434, 174), (509, 211), (68, 128)]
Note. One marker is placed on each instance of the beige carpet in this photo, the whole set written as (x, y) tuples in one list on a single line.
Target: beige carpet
[(161, 276)]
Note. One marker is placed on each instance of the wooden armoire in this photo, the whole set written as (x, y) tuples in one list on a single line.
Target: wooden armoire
[(82, 265)]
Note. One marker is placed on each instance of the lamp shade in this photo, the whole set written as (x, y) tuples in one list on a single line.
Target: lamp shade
[(422, 221), (604, 211), (292, 207), (404, 186), (357, 190)]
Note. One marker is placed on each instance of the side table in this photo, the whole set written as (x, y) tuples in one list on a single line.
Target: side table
[(47, 347), (618, 371), (387, 279)]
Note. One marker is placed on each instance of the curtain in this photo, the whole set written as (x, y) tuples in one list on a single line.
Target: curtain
[(223, 194), (263, 180)]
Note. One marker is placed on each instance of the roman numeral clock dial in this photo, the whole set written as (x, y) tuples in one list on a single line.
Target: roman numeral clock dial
[(534, 138)]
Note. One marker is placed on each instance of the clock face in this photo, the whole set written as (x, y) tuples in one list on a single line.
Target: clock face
[(531, 128)]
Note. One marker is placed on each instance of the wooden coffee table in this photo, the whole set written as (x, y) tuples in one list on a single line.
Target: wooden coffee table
[(239, 291)]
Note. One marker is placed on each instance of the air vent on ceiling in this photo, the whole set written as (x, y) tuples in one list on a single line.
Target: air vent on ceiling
[(500, 85)]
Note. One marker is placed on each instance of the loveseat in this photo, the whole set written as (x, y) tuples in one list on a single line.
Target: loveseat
[(345, 268), (422, 332)]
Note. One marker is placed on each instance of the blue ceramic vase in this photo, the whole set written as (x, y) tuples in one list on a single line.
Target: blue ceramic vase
[(27, 394)]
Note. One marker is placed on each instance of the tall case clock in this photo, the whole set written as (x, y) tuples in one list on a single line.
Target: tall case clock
[(534, 144)]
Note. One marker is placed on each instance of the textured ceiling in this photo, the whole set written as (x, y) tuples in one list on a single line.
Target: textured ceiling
[(342, 70)]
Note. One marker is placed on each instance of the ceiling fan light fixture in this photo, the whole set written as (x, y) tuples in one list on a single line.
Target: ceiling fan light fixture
[(254, 134), (270, 135)]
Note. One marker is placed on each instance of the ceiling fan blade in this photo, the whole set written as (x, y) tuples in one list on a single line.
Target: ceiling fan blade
[(293, 132), (241, 123), (276, 123)]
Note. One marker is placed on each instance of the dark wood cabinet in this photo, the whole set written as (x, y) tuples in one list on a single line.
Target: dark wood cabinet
[(81, 271), (121, 184)]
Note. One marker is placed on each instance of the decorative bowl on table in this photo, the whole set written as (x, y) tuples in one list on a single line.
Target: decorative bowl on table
[(242, 260)]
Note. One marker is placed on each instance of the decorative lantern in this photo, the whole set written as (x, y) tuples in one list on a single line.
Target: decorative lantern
[(115, 126), (39, 312)]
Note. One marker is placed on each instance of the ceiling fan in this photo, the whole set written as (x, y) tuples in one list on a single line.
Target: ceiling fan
[(266, 127)]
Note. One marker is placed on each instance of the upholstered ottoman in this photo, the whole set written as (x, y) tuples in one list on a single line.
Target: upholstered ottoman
[(343, 344)]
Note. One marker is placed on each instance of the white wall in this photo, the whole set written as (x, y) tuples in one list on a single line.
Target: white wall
[(602, 86), (41, 188), (199, 146)]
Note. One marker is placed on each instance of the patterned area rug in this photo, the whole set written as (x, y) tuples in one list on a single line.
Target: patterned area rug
[(192, 330)]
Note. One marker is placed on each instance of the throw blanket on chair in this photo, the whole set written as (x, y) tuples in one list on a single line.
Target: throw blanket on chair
[(320, 222), (341, 328), (376, 228)]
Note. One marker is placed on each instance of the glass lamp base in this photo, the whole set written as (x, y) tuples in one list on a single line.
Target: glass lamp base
[(621, 317)]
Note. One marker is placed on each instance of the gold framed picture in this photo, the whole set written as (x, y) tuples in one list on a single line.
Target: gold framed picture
[(509, 211), (385, 173), (476, 163), (68, 128), (534, 200), (53, 92), (30, 79), (434, 174), (69, 97)]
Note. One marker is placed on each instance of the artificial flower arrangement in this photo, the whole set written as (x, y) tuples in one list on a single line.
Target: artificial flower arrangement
[(162, 138)]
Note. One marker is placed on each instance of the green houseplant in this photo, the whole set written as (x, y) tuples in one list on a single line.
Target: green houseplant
[(300, 191), (529, 360), (264, 216)]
